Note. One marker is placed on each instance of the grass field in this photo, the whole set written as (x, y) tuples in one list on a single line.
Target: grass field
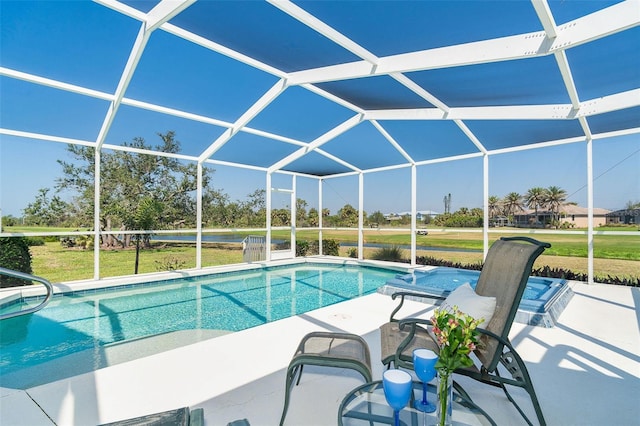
[(615, 255), (624, 247), (57, 264)]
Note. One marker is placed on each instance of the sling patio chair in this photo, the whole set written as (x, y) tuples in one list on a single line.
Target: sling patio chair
[(504, 277)]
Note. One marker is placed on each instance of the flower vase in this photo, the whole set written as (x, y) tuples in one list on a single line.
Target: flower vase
[(445, 398)]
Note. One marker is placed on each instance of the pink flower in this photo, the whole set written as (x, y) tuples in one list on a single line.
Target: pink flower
[(457, 337)]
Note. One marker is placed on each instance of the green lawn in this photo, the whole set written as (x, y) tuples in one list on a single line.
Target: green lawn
[(57, 264)]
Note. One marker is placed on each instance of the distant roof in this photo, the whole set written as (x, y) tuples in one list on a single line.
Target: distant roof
[(625, 212), (326, 88), (573, 209)]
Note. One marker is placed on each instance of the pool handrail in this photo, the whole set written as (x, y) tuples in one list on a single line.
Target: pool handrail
[(27, 277)]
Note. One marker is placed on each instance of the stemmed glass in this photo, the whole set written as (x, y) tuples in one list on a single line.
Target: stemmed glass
[(424, 362), (397, 385)]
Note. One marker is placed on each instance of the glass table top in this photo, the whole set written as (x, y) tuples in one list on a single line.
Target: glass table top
[(366, 405)]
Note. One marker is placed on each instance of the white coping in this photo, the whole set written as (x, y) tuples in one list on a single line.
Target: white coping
[(586, 370)]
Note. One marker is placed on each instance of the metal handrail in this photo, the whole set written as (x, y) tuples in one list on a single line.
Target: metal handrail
[(28, 277), (254, 248)]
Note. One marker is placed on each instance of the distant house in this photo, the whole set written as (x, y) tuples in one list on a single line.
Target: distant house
[(420, 215), (423, 214), (578, 216), (571, 214), (391, 217), (498, 221), (626, 216)]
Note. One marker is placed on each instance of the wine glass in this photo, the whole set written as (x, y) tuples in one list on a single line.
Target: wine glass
[(397, 385), (424, 362)]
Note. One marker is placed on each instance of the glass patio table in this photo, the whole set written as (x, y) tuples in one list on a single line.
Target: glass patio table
[(366, 405)]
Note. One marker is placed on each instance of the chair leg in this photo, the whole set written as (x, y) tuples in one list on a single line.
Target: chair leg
[(291, 373), (463, 393), (536, 406), (527, 386), (299, 374), (518, 370)]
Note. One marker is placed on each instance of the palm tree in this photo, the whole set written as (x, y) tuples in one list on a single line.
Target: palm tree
[(535, 198), (494, 206), (512, 202), (476, 212), (555, 199), (144, 218), (632, 205)]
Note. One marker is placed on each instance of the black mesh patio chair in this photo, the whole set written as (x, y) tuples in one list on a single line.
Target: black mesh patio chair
[(504, 276), (327, 349)]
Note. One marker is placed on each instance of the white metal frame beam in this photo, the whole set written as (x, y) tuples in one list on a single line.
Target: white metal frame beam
[(331, 134), (601, 105), (616, 18), (255, 109), (324, 29)]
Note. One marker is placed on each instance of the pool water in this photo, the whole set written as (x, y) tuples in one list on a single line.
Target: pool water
[(542, 302), (448, 279), (90, 322)]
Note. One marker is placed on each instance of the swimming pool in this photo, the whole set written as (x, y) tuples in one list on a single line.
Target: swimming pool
[(543, 300), (85, 330)]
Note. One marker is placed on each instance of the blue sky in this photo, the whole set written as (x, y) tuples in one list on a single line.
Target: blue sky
[(87, 45)]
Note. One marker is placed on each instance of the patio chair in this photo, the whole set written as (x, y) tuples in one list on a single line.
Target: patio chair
[(178, 417), (327, 349), (503, 276)]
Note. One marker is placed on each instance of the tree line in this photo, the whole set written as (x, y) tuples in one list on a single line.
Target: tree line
[(143, 192)]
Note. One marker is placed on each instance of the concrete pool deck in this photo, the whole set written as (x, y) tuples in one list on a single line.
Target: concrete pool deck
[(586, 371)]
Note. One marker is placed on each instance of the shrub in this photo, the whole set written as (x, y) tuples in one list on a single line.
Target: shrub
[(432, 261), (286, 245), (169, 263), (302, 248), (84, 241), (331, 247), (391, 254), (14, 254), (67, 242), (34, 241), (353, 252), (310, 248), (549, 272)]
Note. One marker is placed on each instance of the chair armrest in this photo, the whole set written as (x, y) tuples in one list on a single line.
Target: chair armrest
[(413, 322), (403, 294), (500, 339), (415, 325), (510, 360)]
